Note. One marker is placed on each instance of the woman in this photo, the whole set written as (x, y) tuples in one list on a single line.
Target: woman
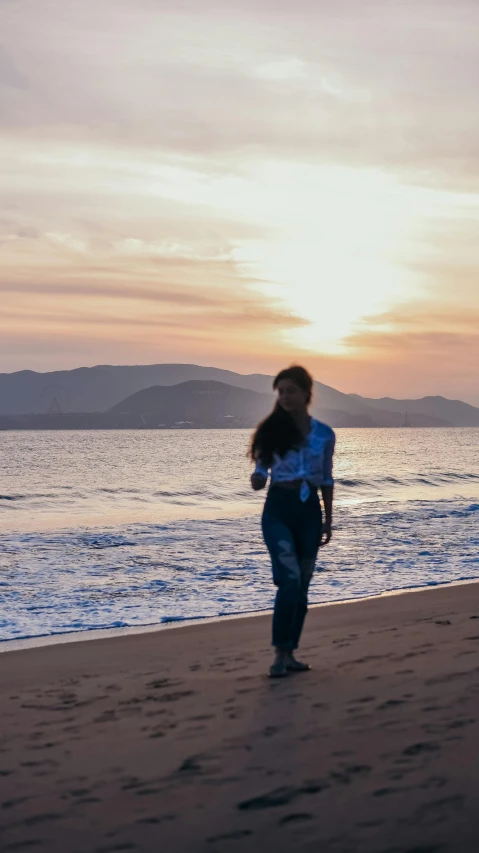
[(297, 451)]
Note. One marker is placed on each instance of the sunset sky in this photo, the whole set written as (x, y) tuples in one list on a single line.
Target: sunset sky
[(242, 184)]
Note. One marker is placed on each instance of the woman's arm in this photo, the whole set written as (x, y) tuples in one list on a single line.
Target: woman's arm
[(327, 490), (327, 493), (259, 477)]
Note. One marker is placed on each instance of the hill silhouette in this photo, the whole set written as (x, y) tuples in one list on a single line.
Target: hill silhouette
[(104, 387), (210, 403), (195, 403)]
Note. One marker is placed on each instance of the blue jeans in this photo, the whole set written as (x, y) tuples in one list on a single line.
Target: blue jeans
[(292, 533)]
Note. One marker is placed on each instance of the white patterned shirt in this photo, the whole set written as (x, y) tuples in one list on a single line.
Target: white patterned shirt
[(311, 462)]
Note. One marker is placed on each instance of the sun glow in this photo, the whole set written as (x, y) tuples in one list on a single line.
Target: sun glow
[(336, 255), (327, 243)]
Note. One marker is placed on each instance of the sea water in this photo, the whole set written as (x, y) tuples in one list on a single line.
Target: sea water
[(108, 529)]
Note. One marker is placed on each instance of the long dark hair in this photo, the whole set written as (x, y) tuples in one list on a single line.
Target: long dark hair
[(278, 432)]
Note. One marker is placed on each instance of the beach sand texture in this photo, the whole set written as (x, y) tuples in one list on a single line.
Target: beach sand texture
[(176, 740)]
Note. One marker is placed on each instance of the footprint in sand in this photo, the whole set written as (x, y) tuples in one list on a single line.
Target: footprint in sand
[(345, 775), (299, 817), (159, 683), (156, 820), (10, 804), (34, 820), (421, 748), (439, 811), (281, 796), (231, 836)]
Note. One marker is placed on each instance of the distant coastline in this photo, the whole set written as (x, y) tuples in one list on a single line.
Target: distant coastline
[(106, 421)]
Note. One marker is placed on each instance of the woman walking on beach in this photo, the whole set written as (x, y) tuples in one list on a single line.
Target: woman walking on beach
[(297, 452)]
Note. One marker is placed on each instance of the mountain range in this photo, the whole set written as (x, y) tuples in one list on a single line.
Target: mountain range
[(171, 393)]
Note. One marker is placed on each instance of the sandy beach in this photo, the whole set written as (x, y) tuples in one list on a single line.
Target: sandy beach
[(175, 740)]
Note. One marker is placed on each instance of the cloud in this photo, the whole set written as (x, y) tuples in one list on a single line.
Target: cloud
[(212, 306), (99, 291), (9, 74), (379, 84), (416, 350), (218, 321), (427, 335), (187, 300)]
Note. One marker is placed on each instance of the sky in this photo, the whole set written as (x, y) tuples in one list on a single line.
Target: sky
[(243, 184)]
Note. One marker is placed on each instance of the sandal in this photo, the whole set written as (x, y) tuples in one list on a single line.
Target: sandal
[(293, 665), (278, 669)]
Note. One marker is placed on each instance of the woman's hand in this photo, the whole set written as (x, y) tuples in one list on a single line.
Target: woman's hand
[(257, 481), (326, 534)]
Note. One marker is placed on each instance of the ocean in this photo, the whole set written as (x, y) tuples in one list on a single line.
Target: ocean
[(123, 529)]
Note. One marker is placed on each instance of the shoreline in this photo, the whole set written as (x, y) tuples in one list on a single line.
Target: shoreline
[(56, 427), (95, 634)]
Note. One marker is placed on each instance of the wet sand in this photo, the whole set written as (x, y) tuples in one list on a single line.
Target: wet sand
[(176, 741)]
